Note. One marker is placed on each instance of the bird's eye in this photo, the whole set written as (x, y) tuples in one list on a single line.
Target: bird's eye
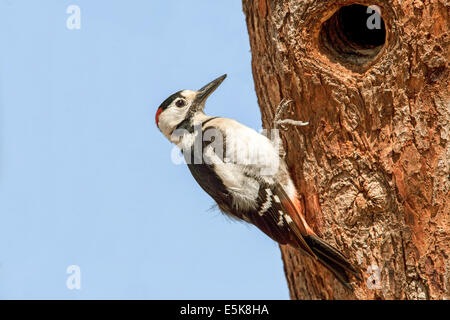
[(180, 103)]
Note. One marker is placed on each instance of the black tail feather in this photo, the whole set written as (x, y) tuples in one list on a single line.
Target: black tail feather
[(332, 259)]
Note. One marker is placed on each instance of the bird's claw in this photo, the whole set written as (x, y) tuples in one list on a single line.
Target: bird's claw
[(282, 122)]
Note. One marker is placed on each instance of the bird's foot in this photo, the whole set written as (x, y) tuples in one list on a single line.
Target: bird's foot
[(278, 122)]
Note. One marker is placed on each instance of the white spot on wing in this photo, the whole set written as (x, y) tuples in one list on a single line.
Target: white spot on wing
[(287, 218), (266, 205), (280, 221)]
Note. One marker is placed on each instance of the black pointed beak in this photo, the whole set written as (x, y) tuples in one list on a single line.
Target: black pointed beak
[(206, 91)]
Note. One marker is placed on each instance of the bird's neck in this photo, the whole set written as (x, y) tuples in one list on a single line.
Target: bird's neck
[(195, 119), (190, 127)]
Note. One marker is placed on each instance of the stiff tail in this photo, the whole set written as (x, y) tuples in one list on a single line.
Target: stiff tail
[(332, 259)]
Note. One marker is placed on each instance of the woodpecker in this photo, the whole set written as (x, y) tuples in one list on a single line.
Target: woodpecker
[(257, 189)]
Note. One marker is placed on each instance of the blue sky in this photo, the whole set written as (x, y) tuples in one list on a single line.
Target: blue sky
[(85, 176)]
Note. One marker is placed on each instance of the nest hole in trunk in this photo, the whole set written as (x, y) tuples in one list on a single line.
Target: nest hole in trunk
[(353, 36)]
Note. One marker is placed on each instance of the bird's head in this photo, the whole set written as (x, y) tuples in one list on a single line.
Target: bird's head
[(183, 105)]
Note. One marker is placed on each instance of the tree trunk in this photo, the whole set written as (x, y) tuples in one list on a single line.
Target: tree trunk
[(372, 166)]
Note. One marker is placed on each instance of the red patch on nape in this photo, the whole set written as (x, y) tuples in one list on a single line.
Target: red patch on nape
[(157, 115)]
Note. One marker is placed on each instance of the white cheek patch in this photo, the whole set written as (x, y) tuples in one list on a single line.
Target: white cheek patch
[(170, 118)]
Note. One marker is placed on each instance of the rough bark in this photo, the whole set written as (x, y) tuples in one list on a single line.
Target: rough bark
[(372, 166)]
